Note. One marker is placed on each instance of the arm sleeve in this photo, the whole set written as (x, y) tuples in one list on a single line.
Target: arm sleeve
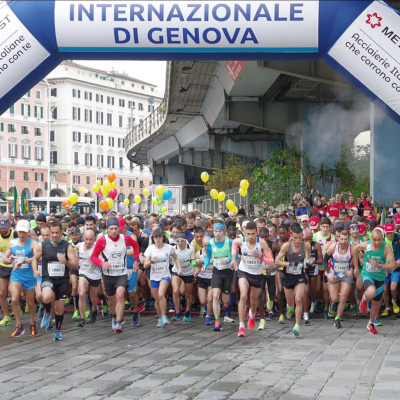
[(268, 258), (235, 249), (325, 262), (134, 244), (98, 248), (208, 256)]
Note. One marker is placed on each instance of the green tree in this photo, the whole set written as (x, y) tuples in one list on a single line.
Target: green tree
[(229, 177)]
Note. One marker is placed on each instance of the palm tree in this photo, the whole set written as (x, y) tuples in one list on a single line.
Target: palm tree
[(322, 170)]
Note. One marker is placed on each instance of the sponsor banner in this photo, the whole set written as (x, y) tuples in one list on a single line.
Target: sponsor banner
[(20, 52), (370, 50), (177, 26)]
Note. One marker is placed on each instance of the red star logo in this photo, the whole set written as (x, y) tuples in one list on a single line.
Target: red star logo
[(373, 20)]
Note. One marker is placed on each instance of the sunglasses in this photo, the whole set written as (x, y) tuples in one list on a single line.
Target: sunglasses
[(180, 241), (355, 226)]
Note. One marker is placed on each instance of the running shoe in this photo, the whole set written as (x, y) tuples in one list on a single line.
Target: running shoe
[(363, 306), (241, 332), (33, 329), (159, 323), (251, 322), (270, 316), (135, 319), (40, 312), (93, 317), (377, 322), (156, 316), (87, 313), (113, 323), (262, 325), (217, 326), (289, 314), (296, 331), (118, 328), (19, 331), (5, 321), (202, 312), (123, 321), (49, 327), (81, 323), (208, 320), (306, 321), (386, 312), (331, 312), (141, 307), (105, 312), (75, 315), (187, 316), (326, 313), (312, 307), (396, 308), (228, 319), (372, 329), (281, 319), (45, 320), (176, 316), (57, 335), (337, 323), (165, 320)]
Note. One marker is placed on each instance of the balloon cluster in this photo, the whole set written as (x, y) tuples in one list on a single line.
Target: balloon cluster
[(162, 194)]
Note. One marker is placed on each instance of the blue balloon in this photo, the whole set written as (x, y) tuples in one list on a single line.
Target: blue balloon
[(167, 194)]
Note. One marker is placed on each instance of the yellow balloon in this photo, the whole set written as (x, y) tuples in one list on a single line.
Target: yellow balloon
[(126, 202), (154, 200), (146, 191), (230, 204), (82, 189), (235, 209), (164, 209), (138, 199), (244, 184), (204, 176), (214, 194), (98, 183), (103, 191), (110, 202), (113, 185), (242, 192), (160, 190), (95, 188), (221, 196), (73, 198), (107, 185)]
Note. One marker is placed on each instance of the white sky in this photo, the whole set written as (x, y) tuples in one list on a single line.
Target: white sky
[(148, 71)]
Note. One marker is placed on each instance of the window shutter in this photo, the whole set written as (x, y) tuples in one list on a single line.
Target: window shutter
[(29, 110)]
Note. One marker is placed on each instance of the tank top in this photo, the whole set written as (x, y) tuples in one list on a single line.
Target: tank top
[(368, 270), (265, 266), (341, 263), (250, 264), (3, 247), (22, 252), (51, 267), (296, 260), (115, 253), (221, 256), (185, 257), (86, 266), (207, 274)]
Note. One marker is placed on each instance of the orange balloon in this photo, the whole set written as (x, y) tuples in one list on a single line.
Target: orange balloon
[(104, 205), (111, 177), (66, 203)]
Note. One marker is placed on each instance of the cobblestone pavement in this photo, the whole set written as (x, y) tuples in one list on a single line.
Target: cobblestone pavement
[(189, 361)]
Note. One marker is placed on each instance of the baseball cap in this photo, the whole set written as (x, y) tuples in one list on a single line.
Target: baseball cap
[(65, 219), (314, 221), (80, 221), (4, 222), (307, 232), (159, 232), (23, 225), (353, 209), (397, 219), (76, 230), (339, 224), (41, 218), (121, 223), (93, 216), (389, 228), (18, 215), (371, 217), (304, 218), (363, 229), (180, 235)]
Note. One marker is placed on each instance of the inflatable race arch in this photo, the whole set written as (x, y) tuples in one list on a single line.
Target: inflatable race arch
[(359, 39)]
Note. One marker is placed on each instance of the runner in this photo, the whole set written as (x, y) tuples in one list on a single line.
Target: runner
[(254, 251), (58, 258), (89, 277), (157, 257), (113, 248), (23, 276), (75, 238), (378, 258), (297, 254), (219, 248), (204, 282), (340, 273)]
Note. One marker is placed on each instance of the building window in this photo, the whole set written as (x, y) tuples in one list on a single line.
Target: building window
[(1, 126), (77, 179), (88, 115), (52, 136), (39, 176), (76, 158), (109, 119), (53, 157), (88, 159), (12, 174), (76, 93), (131, 104), (99, 140), (121, 102), (88, 96), (11, 128), (39, 153), (26, 152), (99, 118), (99, 98), (120, 121), (38, 132), (76, 137), (88, 180), (131, 166), (12, 150), (121, 163), (152, 89), (39, 112), (12, 109), (121, 182), (141, 108), (76, 113), (54, 113), (131, 183), (38, 94), (100, 161), (24, 130), (110, 100), (111, 141), (88, 138), (28, 94), (26, 176), (121, 143), (110, 162), (141, 185), (143, 87), (25, 110), (53, 92)]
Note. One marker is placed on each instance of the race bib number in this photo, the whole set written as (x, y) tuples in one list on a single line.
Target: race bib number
[(221, 262), (117, 265), (294, 268), (23, 265), (159, 267), (370, 268), (39, 268), (56, 269), (341, 267), (85, 265)]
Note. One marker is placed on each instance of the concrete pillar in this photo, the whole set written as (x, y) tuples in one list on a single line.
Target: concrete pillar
[(175, 174), (321, 132), (385, 145)]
